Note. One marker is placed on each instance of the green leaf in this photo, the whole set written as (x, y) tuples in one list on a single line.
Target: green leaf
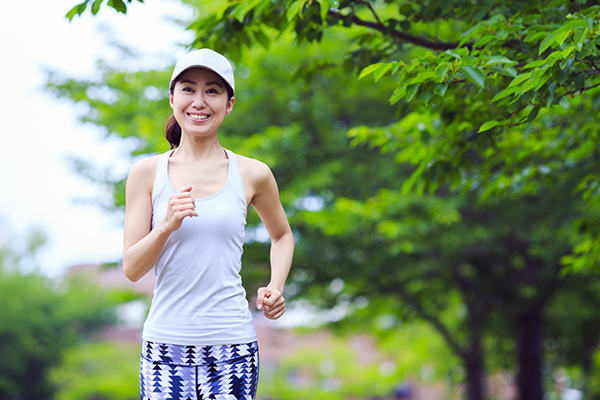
[(324, 8), (96, 6), (425, 96), (295, 9), (551, 89), (398, 94), (380, 72), (504, 93), (440, 89), (580, 37), (405, 25), (500, 60), (590, 22), (576, 23), (566, 52), (405, 9), (544, 78), (473, 75), (411, 91), (488, 125), (77, 10), (511, 72), (547, 42), (467, 35), (534, 113), (484, 40), (534, 64), (240, 11), (578, 81), (441, 71), (369, 69), (534, 37), (453, 54), (414, 177), (422, 77), (523, 77), (561, 36), (118, 5), (529, 85)]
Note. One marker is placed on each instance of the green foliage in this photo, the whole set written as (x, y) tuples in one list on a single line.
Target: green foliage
[(79, 9), (494, 69), (37, 323), (42, 318), (103, 370), (347, 366)]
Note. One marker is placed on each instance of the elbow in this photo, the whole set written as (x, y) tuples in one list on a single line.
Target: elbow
[(130, 272), (130, 275)]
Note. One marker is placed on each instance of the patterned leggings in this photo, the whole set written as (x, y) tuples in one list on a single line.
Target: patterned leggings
[(228, 372)]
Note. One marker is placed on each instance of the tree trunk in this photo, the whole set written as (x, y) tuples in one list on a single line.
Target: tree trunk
[(529, 348), (475, 377)]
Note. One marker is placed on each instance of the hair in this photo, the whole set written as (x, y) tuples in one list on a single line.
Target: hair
[(172, 128)]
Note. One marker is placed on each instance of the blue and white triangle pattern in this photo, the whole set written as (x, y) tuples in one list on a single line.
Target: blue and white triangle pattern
[(228, 372)]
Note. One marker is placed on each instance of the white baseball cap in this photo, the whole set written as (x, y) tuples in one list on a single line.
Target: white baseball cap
[(205, 58)]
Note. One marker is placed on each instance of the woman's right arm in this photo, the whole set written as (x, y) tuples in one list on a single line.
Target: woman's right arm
[(142, 244)]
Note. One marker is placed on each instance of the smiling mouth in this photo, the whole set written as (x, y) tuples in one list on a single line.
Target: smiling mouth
[(199, 117)]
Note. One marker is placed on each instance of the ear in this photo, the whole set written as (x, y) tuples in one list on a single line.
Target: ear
[(230, 106), (171, 99)]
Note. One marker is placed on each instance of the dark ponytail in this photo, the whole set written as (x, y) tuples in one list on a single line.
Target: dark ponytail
[(173, 131)]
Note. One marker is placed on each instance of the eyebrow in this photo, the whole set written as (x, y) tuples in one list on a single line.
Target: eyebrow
[(206, 84)]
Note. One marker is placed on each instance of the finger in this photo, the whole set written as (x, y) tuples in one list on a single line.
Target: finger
[(186, 189), (272, 309), (183, 202), (276, 306), (186, 213), (260, 298), (275, 314), (181, 212), (269, 300)]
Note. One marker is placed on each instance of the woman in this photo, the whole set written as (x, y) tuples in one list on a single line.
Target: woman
[(185, 217)]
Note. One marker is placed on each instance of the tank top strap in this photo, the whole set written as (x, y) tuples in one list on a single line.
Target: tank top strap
[(161, 178), (235, 178)]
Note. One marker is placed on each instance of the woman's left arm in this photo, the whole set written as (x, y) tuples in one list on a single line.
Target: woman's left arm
[(268, 206)]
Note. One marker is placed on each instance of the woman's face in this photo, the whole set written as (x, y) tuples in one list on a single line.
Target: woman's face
[(199, 102)]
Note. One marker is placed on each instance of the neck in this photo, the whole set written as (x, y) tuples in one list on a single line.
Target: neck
[(199, 148)]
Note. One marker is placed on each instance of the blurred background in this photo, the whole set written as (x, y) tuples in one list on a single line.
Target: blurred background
[(399, 290)]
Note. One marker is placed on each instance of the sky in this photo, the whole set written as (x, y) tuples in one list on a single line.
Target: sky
[(39, 189)]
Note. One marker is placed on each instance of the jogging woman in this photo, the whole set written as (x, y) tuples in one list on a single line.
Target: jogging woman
[(185, 217)]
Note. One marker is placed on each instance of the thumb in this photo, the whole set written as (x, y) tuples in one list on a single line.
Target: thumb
[(262, 295), (186, 189)]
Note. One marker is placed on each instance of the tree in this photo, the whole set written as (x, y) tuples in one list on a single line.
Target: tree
[(486, 73), (40, 319)]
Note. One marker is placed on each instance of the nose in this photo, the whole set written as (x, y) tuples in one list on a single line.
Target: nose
[(199, 101)]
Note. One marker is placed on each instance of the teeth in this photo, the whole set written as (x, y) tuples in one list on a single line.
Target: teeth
[(199, 116)]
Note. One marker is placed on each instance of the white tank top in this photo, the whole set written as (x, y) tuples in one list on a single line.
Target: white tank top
[(198, 297)]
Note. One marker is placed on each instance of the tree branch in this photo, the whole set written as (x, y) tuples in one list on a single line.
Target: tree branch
[(370, 6), (578, 90), (437, 324), (405, 37)]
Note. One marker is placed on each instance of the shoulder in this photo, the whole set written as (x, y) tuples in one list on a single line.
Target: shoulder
[(142, 172), (254, 170), (145, 165)]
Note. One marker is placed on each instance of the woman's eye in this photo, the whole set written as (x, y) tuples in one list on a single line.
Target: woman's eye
[(187, 89), (212, 91)]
